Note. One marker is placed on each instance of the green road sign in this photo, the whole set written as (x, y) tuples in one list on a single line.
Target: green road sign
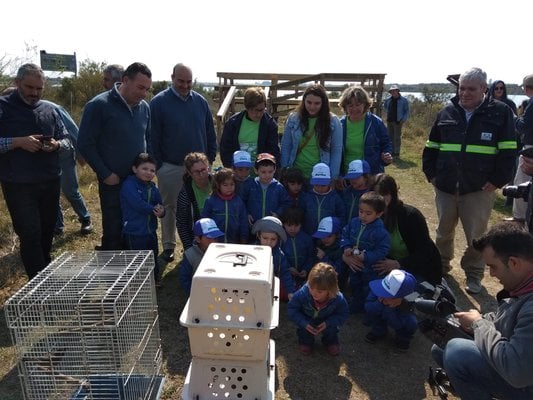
[(58, 62)]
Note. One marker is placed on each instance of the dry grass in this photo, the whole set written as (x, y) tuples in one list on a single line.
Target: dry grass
[(362, 371)]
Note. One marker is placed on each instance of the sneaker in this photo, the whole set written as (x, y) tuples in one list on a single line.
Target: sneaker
[(402, 346), (168, 255), (372, 338), (305, 349), (86, 226), (333, 349), (473, 285)]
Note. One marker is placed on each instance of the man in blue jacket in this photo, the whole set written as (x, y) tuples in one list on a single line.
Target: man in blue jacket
[(114, 129), (397, 108), (182, 123), (31, 137)]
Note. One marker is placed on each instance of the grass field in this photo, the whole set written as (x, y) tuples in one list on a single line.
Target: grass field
[(362, 371)]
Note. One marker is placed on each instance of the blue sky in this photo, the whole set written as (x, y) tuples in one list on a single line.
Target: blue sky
[(411, 41)]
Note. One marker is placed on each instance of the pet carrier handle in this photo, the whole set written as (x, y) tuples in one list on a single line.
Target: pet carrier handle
[(242, 259)]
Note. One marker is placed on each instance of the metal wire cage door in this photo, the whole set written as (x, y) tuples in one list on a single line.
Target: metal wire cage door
[(87, 327)]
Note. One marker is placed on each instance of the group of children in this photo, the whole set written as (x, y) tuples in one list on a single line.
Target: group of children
[(322, 240)]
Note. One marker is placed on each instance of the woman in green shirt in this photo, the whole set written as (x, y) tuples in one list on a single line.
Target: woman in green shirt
[(412, 249), (191, 198), (312, 134)]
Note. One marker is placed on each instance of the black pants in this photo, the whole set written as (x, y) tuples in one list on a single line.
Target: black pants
[(33, 208), (111, 216)]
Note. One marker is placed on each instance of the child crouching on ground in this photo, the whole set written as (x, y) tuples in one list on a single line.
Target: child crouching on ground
[(328, 248), (319, 307), (386, 307), (205, 232), (270, 232)]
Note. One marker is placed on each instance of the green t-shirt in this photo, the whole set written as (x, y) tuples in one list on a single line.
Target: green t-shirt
[(201, 195), (248, 135), (354, 142), (398, 248), (310, 153)]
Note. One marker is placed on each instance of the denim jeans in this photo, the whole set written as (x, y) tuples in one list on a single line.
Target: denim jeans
[(471, 375), (70, 189), (33, 209), (111, 216)]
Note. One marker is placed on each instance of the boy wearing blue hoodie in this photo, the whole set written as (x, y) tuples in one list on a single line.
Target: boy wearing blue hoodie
[(321, 201), (364, 241)]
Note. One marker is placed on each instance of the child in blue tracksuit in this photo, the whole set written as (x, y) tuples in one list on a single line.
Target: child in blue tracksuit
[(263, 195), (328, 248), (269, 232), (360, 181), (205, 232), (298, 247), (321, 201), (141, 205), (227, 209), (242, 164), (293, 180), (319, 307), (386, 307), (364, 241)]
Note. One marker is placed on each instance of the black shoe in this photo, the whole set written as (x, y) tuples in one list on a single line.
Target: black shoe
[(58, 232), (168, 255), (98, 248), (402, 346), (86, 226), (372, 338)]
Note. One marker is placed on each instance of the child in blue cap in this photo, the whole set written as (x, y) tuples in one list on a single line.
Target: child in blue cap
[(386, 307)]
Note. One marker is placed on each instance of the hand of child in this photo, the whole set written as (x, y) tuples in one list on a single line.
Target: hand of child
[(385, 266), (159, 210), (320, 327), (250, 220), (311, 329), (352, 262), (289, 296), (320, 253), (294, 271), (302, 273)]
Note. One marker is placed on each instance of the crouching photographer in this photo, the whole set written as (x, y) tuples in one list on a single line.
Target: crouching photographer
[(523, 191), (497, 362)]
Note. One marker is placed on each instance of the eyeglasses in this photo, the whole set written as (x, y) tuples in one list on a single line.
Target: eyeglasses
[(199, 171), (498, 88)]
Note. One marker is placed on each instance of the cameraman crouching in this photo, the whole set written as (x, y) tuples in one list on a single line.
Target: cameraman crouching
[(527, 168), (498, 362)]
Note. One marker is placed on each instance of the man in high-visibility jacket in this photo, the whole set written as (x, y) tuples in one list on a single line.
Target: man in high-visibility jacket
[(470, 152)]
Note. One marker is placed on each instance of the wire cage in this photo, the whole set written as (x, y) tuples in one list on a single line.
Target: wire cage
[(87, 327)]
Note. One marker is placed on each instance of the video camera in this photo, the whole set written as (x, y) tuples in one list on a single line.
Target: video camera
[(435, 306), (518, 192)]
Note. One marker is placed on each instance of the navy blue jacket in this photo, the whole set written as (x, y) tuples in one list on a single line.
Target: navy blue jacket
[(18, 119), (302, 310), (267, 140), (230, 216), (318, 206), (262, 203), (112, 134), (137, 200), (300, 251), (376, 141)]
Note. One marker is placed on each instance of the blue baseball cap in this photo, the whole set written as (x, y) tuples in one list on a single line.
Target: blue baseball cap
[(207, 227), (242, 158), (321, 175), (397, 283), (327, 227), (357, 168)]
